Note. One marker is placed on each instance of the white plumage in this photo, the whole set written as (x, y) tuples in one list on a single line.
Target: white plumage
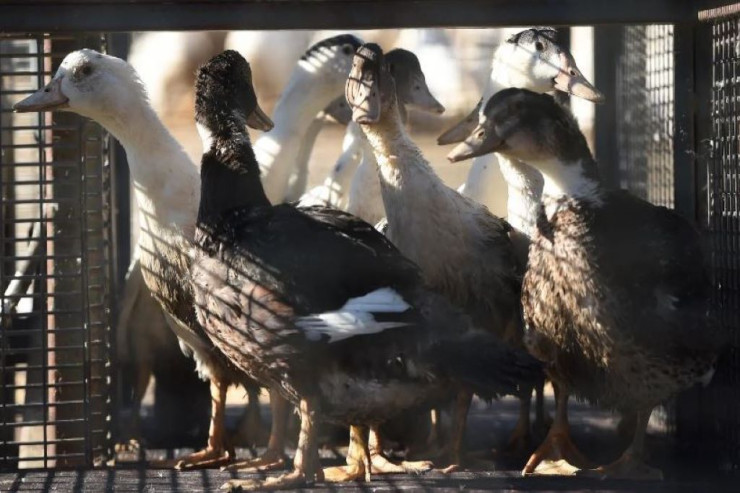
[(355, 317)]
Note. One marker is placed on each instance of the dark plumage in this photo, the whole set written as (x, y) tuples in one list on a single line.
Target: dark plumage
[(540, 33), (616, 293), (270, 279)]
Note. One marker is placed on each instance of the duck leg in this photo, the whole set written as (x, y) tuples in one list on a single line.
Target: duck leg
[(250, 430), (358, 466), (557, 455), (542, 420), (631, 464), (382, 465), (143, 375), (216, 452), (306, 464), (274, 456), (520, 437)]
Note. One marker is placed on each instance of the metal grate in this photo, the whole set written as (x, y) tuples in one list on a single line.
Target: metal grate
[(645, 112), (55, 270), (723, 170)]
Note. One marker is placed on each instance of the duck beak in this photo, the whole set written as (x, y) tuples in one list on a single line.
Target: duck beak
[(423, 99), (47, 98), (481, 141), (363, 84), (571, 80), (461, 129), (259, 120), (339, 111)]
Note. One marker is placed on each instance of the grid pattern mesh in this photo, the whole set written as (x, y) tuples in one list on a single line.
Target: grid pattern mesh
[(54, 270), (724, 224), (645, 112)]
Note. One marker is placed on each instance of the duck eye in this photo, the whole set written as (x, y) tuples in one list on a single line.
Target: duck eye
[(539, 46), (86, 70), (347, 49)]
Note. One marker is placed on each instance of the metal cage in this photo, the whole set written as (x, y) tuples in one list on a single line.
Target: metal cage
[(723, 180), (669, 134), (55, 270)]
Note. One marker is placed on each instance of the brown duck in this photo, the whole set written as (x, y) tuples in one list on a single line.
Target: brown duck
[(616, 294)]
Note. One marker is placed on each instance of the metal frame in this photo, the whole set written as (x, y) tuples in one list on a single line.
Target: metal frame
[(62, 415), (143, 15)]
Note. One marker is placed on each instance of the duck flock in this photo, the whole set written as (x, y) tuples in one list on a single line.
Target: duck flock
[(383, 294)]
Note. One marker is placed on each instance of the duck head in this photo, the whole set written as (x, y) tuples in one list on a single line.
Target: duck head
[(531, 59), (91, 84), (339, 111), (223, 90), (535, 61), (330, 61), (370, 88), (526, 126), (411, 85)]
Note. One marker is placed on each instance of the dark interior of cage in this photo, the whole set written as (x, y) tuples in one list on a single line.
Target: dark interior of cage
[(668, 133)]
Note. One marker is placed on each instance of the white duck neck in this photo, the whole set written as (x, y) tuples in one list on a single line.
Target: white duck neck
[(166, 181), (568, 180), (524, 185), (278, 150), (352, 146)]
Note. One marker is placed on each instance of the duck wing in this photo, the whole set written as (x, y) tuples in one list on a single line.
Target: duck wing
[(655, 261)]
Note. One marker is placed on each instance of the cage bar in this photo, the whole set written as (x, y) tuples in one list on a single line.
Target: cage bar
[(55, 278)]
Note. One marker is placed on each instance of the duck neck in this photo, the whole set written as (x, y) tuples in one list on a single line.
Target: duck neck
[(278, 150), (575, 180), (524, 187), (342, 173), (165, 179), (230, 176), (407, 181), (389, 141)]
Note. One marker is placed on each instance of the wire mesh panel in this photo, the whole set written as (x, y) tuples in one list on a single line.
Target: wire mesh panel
[(54, 270), (724, 224), (645, 112)]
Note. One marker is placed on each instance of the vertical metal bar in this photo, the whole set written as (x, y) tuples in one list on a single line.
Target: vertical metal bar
[(42, 63), (3, 351), (84, 273), (606, 40), (684, 164), (118, 45)]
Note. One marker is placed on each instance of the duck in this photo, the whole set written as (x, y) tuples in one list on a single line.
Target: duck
[(109, 91), (317, 80), (463, 251), (530, 59), (314, 301), (616, 295), (353, 184)]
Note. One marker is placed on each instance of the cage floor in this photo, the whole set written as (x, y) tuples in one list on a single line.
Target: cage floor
[(164, 481), (488, 426)]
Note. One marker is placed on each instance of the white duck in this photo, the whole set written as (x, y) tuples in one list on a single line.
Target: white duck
[(109, 91), (317, 80)]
